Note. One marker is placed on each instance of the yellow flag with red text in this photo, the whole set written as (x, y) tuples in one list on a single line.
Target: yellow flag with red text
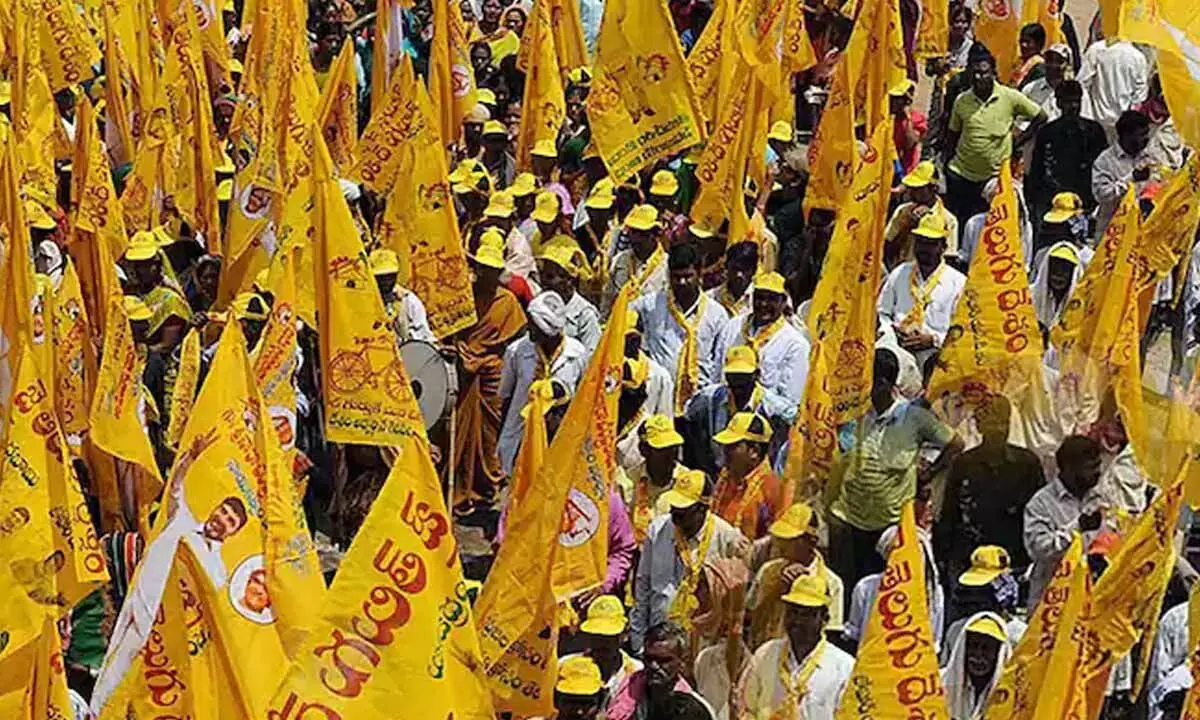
[(395, 117), (99, 224), (68, 50), (451, 78), (337, 115), (896, 673), (831, 155), (74, 364), (187, 382), (277, 354), (998, 25), (543, 106), (712, 60), (933, 32)]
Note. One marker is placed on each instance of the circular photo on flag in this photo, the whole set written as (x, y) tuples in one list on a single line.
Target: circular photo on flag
[(248, 591), (581, 520)]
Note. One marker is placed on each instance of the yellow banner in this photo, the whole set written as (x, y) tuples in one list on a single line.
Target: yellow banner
[(798, 52), (68, 50), (74, 365), (896, 671), (993, 345), (722, 167), (183, 395), (277, 354), (641, 106), (99, 225), (1170, 229), (543, 106), (1043, 679), (998, 25), (35, 122), (396, 630), (933, 34), (712, 60), (832, 154), (451, 77), (337, 115), (567, 27), (395, 120), (1047, 14)]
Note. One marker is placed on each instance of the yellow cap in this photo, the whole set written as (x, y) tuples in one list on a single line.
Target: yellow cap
[(700, 230), (522, 185), (546, 207), (808, 591), (228, 6), (500, 205), (605, 616), (988, 562), (797, 520), (5, 92), (162, 236), (602, 196), (142, 246), (781, 130), (771, 282), (988, 625), (490, 252), (465, 171), (384, 262), (485, 96), (903, 87), (225, 190), (741, 360), (932, 225), (578, 675), (494, 127), (262, 280), (635, 373), (1066, 205), (544, 148), (235, 66), (921, 176), (664, 184), (744, 426), (1065, 252), (249, 306), (659, 432), (642, 217), (37, 217), (687, 490), (580, 75), (136, 309), (561, 251)]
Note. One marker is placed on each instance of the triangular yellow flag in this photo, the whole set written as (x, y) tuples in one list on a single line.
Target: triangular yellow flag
[(896, 669), (74, 365), (337, 115), (451, 78), (543, 106), (187, 382)]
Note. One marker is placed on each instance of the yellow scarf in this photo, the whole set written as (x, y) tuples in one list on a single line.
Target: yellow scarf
[(756, 340), (687, 369), (685, 602), (756, 396), (546, 362), (749, 496), (733, 305), (795, 686), (639, 278), (922, 294)]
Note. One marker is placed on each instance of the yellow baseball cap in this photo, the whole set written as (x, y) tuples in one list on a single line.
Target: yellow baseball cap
[(500, 205), (808, 591), (464, 171), (781, 130), (544, 148), (142, 246), (1065, 206), (988, 562), (664, 184), (631, 323), (700, 230), (687, 490), (490, 252), (903, 87), (1065, 252), (741, 360), (797, 520), (642, 217), (605, 616), (578, 675), (920, 176), (771, 282), (249, 306), (522, 185), (225, 190), (485, 96), (136, 309), (561, 254), (659, 432), (494, 127), (744, 426), (602, 196), (635, 372), (546, 207), (384, 262), (988, 625), (932, 225), (37, 217), (580, 75)]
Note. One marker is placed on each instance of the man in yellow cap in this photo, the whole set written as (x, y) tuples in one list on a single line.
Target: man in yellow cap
[(170, 312), (548, 214), (404, 309), (918, 297), (664, 187), (480, 350), (658, 384), (558, 270), (524, 190), (910, 125), (1065, 221), (497, 157), (781, 349), (1058, 269), (596, 229), (544, 162), (741, 265), (920, 195), (657, 466), (975, 662), (676, 547), (802, 667), (682, 326), (643, 262), (748, 493), (988, 585), (500, 214), (579, 693), (473, 124), (603, 632)]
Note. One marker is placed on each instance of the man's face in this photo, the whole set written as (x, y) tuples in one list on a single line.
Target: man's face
[(468, 11), (140, 329), (555, 278), (804, 624), (960, 24), (547, 229), (685, 282), (689, 519), (1055, 66), (147, 273), (928, 251), (993, 422), (660, 463), (1135, 141), (982, 653), (925, 196), (1029, 46), (739, 383), (222, 522), (1059, 274), (1070, 106), (542, 166), (208, 276), (472, 132), (741, 457), (738, 277), (768, 306), (386, 283), (480, 57), (491, 11), (664, 666), (1083, 477), (642, 242), (496, 144), (983, 78)]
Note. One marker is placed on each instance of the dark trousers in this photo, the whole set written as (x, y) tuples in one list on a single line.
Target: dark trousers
[(964, 198), (852, 554)]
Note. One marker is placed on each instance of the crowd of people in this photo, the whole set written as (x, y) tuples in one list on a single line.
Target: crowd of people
[(727, 595)]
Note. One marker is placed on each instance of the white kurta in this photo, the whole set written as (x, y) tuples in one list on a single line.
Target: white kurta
[(763, 691), (520, 366), (782, 360), (583, 322), (662, 337), (896, 301)]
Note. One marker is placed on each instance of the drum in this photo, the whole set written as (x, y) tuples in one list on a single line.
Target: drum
[(431, 377)]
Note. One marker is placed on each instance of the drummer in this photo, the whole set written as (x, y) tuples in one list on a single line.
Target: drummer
[(405, 310)]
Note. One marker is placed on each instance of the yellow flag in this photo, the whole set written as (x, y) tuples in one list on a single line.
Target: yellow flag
[(876, 57), (39, 131), (451, 78), (183, 395), (568, 36), (832, 152), (1171, 227), (993, 345), (74, 366), (642, 106), (395, 118), (1043, 679), (998, 25), (388, 49), (842, 321), (896, 669), (337, 115), (17, 287), (276, 356), (1047, 14), (798, 52), (119, 81), (543, 106), (420, 223), (713, 59), (933, 34), (68, 49), (48, 696), (396, 637), (145, 187)]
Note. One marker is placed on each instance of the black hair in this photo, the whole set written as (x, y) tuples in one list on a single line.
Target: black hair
[(743, 253), (979, 53), (668, 632), (1076, 449), (1069, 89), (887, 366), (1132, 121), (1036, 33), (683, 255)]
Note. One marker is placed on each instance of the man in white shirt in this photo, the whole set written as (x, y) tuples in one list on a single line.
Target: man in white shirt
[(782, 351), (1041, 91), (603, 631), (681, 326), (1126, 162), (545, 353), (1115, 76), (558, 269), (918, 296), (741, 265), (643, 262), (816, 671), (405, 310)]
